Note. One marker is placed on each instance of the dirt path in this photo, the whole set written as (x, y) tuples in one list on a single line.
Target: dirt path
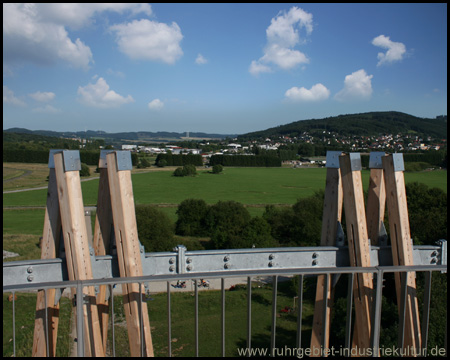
[(26, 173)]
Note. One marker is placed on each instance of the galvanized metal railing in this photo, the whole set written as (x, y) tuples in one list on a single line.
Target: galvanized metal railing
[(248, 263)]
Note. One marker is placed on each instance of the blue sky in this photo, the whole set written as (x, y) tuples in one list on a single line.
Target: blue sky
[(218, 68)]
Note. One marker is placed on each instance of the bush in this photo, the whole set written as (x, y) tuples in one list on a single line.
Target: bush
[(217, 169), (186, 170), (143, 163), (85, 170), (155, 229)]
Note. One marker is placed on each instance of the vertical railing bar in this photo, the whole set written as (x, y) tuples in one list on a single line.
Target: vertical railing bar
[(14, 322), (196, 318), (375, 336), (112, 320), (299, 311), (80, 319), (426, 312), (222, 281), (348, 323), (141, 319), (325, 312), (274, 314), (46, 322), (169, 322), (249, 314), (402, 309)]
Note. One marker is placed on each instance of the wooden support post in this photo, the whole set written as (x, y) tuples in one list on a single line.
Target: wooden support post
[(67, 166), (332, 212), (376, 199), (103, 232), (358, 244), (128, 251), (401, 243), (49, 250)]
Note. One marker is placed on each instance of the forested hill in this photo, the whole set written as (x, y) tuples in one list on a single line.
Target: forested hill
[(364, 124)]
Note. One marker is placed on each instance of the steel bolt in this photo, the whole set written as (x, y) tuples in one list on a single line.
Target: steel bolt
[(171, 261), (30, 270), (433, 261), (314, 262), (189, 268), (315, 255), (226, 258), (271, 256), (171, 268), (270, 263), (226, 266), (30, 278), (188, 260)]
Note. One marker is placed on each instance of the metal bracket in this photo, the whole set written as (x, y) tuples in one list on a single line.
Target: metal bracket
[(71, 160), (355, 161), (123, 158), (375, 160), (102, 164), (399, 164), (332, 160)]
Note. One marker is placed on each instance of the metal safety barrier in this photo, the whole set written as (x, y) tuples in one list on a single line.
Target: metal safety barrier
[(249, 263)]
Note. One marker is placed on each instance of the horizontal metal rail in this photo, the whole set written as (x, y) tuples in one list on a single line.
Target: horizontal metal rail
[(272, 272), (215, 262)]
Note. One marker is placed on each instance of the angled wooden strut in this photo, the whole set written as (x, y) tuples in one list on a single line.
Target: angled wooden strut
[(102, 239), (128, 251), (67, 166), (49, 250), (358, 244), (402, 248), (332, 212)]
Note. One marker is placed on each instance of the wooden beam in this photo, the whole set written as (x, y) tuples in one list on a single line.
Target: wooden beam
[(332, 213), (376, 199), (128, 255), (401, 244), (77, 248), (49, 250), (103, 231), (358, 244)]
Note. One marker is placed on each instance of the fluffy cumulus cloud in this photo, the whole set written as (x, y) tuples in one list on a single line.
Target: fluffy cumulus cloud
[(10, 98), (149, 40), (99, 95), (357, 86), (155, 104), (42, 96), (282, 36), (36, 32), (395, 50), (316, 93)]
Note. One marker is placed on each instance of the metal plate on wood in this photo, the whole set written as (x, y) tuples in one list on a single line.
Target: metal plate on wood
[(71, 160), (333, 159), (51, 160), (375, 160), (102, 164), (123, 160), (355, 161), (399, 165)]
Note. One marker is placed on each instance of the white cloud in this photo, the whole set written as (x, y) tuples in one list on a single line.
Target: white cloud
[(10, 98), (149, 40), (395, 52), (99, 95), (316, 93), (200, 60), (47, 109), (357, 86), (42, 96), (155, 104), (282, 36), (37, 33)]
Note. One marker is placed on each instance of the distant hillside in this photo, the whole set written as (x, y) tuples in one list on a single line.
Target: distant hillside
[(365, 124), (132, 136)]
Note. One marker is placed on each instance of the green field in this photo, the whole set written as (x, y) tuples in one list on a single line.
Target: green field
[(245, 185)]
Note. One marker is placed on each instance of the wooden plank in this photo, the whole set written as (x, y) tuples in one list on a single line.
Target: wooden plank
[(358, 244), (129, 257), (77, 250), (376, 199), (332, 213), (101, 241), (49, 250), (402, 248)]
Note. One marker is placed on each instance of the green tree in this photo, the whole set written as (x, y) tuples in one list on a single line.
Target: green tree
[(254, 234), (217, 169), (85, 170), (155, 229), (191, 218)]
